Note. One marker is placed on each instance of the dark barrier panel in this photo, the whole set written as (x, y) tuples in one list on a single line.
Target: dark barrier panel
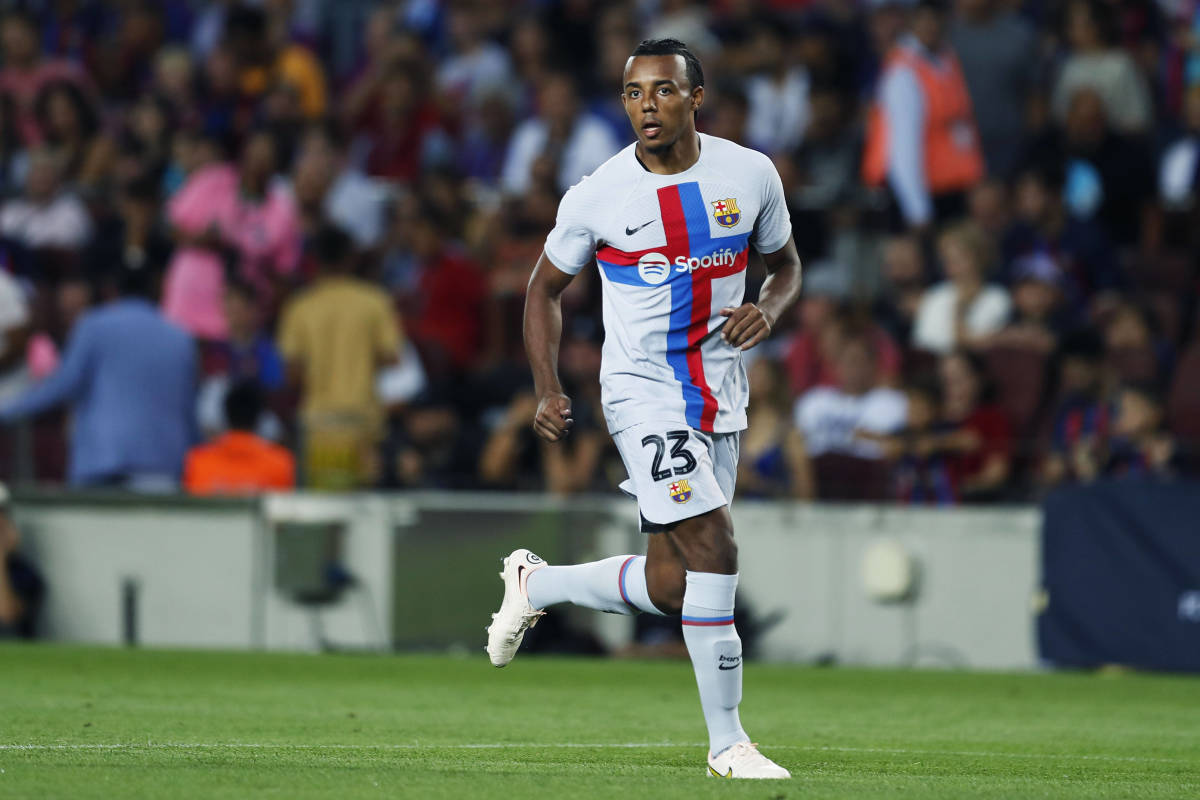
[(1121, 572)]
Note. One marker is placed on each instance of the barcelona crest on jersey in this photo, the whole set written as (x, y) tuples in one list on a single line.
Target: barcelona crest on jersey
[(726, 212), (680, 491)]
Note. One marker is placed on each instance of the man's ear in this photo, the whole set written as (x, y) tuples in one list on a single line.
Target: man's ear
[(697, 98)]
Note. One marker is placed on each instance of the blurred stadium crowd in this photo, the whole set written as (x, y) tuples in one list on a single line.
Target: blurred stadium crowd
[(311, 223)]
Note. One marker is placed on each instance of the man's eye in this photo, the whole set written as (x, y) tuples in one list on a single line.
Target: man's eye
[(664, 90)]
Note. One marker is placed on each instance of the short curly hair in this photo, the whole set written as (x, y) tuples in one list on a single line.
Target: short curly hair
[(673, 47)]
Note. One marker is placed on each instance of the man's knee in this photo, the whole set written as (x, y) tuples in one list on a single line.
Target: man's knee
[(665, 583), (707, 544)]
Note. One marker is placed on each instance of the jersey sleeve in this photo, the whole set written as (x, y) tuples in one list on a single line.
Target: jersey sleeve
[(773, 227), (572, 243)]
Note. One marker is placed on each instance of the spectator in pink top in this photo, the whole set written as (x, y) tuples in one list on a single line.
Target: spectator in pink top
[(235, 219), (26, 73)]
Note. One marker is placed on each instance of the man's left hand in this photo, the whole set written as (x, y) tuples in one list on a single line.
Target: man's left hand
[(747, 326)]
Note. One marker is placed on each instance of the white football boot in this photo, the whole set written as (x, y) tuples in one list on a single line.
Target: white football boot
[(744, 761), (516, 615)]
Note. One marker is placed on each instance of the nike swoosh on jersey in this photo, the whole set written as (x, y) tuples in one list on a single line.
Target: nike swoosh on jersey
[(631, 231)]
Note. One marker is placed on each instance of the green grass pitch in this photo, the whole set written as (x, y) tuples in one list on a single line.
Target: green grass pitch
[(91, 722)]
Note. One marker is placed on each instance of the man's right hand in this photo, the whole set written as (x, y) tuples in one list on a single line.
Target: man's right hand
[(553, 419)]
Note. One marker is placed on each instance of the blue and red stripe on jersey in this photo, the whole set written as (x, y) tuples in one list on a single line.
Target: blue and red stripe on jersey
[(685, 221)]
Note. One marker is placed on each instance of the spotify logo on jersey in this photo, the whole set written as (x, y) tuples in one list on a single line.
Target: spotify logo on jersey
[(654, 268)]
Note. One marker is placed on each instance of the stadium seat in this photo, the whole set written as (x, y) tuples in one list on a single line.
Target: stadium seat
[(1172, 272), (849, 478), (1183, 402), (1020, 376), (920, 362)]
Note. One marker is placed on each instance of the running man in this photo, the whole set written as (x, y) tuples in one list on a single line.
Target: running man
[(669, 220)]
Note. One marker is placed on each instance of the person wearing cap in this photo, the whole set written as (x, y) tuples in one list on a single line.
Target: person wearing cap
[(921, 135), (1038, 313), (21, 586), (129, 376)]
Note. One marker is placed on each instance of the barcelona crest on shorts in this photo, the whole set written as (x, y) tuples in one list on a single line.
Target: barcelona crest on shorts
[(680, 491), (726, 212)]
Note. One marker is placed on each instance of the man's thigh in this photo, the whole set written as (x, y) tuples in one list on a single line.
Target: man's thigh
[(675, 472)]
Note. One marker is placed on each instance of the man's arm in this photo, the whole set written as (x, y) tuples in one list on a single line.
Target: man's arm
[(904, 109), (15, 341), (543, 332), (751, 323), (61, 386)]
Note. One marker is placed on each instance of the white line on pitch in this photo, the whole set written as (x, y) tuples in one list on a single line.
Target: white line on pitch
[(901, 751), (571, 745), (299, 746)]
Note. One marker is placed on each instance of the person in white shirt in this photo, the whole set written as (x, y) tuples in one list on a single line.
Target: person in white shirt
[(578, 140), (1097, 62), (14, 335), (778, 97), (831, 419), (475, 63), (667, 223), (963, 308), (48, 216)]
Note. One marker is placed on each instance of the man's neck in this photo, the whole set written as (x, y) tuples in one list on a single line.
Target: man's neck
[(679, 157)]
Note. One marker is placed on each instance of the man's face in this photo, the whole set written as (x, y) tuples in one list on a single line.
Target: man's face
[(42, 182), (922, 410), (19, 40), (928, 26), (240, 313), (856, 367), (659, 100), (556, 101), (1033, 199), (258, 157), (317, 160), (1035, 299), (1137, 415), (1079, 375)]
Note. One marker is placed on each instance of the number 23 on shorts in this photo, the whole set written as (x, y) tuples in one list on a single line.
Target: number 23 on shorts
[(678, 453)]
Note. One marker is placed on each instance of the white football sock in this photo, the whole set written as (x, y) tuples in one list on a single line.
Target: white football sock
[(716, 652), (616, 585)]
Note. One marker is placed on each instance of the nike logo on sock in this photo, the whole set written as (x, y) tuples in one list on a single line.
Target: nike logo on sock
[(631, 231)]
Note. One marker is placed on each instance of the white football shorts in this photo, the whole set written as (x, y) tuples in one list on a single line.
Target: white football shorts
[(677, 472)]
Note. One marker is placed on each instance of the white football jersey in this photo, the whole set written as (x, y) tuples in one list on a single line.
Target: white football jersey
[(672, 253)]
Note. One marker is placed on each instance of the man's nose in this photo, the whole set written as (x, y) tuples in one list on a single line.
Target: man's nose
[(648, 103)]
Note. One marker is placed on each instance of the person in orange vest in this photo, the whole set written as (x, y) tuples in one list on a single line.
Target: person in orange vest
[(239, 462), (921, 135)]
